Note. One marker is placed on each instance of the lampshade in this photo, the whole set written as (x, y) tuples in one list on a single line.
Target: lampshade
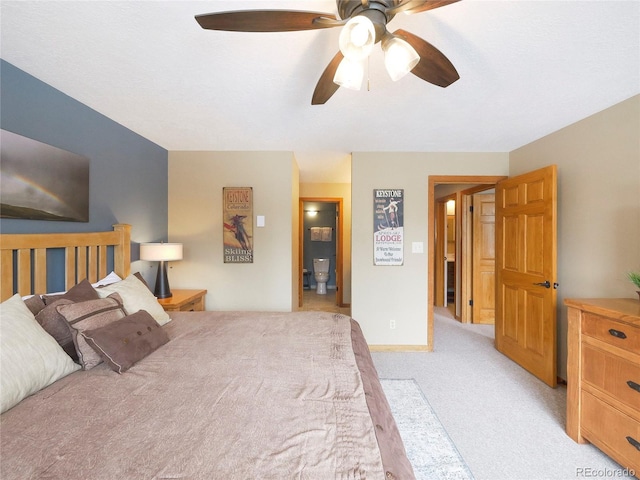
[(158, 252), (357, 38), (399, 57), (349, 74), (161, 252)]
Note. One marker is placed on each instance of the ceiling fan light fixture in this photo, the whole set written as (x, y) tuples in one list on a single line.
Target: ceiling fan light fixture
[(399, 57), (357, 38), (363, 24), (349, 74)]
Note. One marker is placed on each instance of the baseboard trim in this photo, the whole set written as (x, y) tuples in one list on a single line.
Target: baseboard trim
[(400, 348)]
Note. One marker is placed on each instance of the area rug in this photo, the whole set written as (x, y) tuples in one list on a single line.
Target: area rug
[(429, 448)]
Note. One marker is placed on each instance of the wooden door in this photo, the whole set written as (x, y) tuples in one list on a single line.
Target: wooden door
[(484, 259), (440, 242), (526, 271)]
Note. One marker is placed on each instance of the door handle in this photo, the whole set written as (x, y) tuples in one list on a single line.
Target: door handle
[(545, 284)]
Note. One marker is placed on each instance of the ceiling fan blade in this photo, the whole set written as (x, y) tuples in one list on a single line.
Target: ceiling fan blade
[(433, 66), (417, 6), (266, 21), (325, 87)]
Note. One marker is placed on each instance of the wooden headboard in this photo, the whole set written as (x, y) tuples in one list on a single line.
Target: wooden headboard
[(23, 258)]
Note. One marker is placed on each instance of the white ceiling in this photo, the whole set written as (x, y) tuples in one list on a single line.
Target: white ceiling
[(527, 69)]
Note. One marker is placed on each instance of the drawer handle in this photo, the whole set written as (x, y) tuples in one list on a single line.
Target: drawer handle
[(634, 386), (617, 333), (634, 442)]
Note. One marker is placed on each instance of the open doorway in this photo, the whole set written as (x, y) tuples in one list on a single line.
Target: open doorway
[(524, 269), (321, 238), (447, 290), (450, 275)]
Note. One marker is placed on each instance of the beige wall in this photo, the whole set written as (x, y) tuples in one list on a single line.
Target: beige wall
[(384, 293), (295, 235), (196, 180), (337, 190), (598, 162)]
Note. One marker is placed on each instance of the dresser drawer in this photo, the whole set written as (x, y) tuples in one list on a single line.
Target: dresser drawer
[(612, 431), (612, 332), (194, 306), (616, 376), (184, 301)]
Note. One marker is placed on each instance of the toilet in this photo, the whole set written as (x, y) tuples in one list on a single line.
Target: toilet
[(321, 274)]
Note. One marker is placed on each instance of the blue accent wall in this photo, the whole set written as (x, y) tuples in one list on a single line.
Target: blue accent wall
[(128, 173)]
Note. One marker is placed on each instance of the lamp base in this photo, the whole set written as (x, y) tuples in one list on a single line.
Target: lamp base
[(162, 289)]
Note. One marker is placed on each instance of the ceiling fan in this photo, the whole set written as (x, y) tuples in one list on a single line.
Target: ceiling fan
[(364, 24)]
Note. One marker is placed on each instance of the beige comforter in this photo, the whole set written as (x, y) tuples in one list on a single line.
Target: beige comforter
[(231, 396)]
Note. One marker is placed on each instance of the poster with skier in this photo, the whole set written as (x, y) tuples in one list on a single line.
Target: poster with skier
[(237, 217), (388, 227)]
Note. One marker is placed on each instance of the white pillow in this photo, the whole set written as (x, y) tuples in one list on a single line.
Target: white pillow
[(136, 296), (113, 277), (30, 358)]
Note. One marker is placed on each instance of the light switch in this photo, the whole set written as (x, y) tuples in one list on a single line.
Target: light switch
[(260, 221), (417, 247)]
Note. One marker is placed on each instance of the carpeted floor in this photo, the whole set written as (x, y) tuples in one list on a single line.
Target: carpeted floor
[(506, 424), (429, 448)]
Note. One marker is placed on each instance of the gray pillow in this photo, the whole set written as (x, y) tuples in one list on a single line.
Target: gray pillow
[(125, 342), (78, 293), (35, 304)]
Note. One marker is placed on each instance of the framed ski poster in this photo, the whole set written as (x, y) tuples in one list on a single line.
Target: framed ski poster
[(388, 231), (237, 216)]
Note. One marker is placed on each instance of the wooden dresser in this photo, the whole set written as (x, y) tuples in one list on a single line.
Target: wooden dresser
[(603, 376)]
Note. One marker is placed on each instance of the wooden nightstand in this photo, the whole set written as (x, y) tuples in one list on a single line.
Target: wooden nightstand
[(184, 301)]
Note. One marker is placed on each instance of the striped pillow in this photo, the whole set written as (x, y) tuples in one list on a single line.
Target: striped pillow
[(90, 315)]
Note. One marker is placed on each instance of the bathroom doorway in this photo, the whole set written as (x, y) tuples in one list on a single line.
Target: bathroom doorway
[(321, 237)]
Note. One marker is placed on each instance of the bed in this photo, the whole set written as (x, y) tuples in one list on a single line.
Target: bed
[(199, 395)]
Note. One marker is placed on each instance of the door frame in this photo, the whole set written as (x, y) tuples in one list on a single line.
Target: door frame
[(466, 248), (440, 229), (440, 252), (339, 247), (432, 182)]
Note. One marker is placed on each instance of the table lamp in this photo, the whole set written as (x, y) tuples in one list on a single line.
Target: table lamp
[(163, 253)]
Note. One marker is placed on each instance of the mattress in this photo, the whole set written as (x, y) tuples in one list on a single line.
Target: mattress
[(243, 395)]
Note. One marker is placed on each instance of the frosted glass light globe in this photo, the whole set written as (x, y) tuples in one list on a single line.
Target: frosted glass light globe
[(357, 38)]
